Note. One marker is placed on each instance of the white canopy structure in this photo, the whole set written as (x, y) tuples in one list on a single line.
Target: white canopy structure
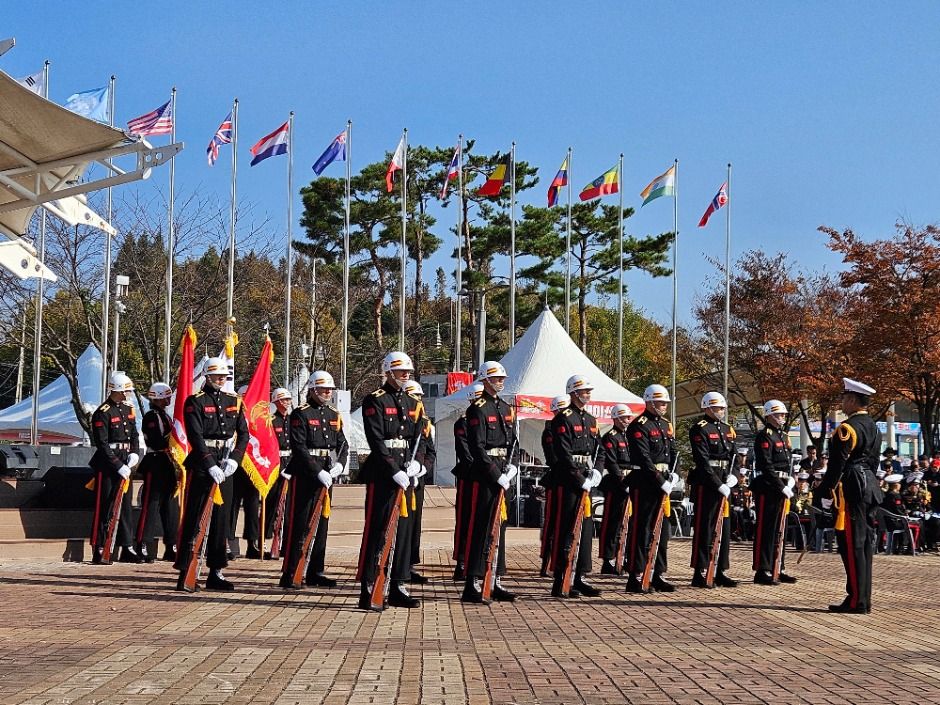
[(538, 366)]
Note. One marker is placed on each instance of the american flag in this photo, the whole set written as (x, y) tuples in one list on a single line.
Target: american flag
[(158, 122), (222, 136)]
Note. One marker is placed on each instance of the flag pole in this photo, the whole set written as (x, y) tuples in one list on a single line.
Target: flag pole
[(106, 297), (345, 344), (512, 245), (675, 289), (403, 245), (37, 333), (171, 246), (290, 217), (233, 216), (459, 312), (620, 276), (727, 284), (568, 249)]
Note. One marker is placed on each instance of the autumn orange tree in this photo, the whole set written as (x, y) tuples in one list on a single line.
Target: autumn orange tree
[(894, 284)]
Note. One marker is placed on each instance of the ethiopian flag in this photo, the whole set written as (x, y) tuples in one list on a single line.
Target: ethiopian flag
[(497, 178), (606, 183), (662, 185)]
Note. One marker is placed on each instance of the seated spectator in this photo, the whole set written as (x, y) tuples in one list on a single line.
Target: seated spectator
[(890, 464)]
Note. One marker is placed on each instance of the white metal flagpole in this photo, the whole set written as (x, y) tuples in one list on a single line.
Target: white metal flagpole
[(620, 275), (727, 283), (37, 332), (290, 218), (459, 308), (233, 218), (345, 344), (106, 298), (404, 244), (512, 245), (568, 249), (675, 290), (170, 247)]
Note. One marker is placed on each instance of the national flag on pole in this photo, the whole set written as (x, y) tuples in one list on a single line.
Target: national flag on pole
[(91, 104), (336, 150), (604, 185), (497, 178), (222, 136), (662, 185), (271, 145), (452, 170), (34, 82), (561, 179), (262, 457), (179, 443), (397, 163), (157, 122), (720, 199)]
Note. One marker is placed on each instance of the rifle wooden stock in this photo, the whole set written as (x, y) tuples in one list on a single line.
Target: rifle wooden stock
[(114, 518), (778, 540), (716, 544), (570, 567), (198, 553), (381, 585), (310, 535), (654, 545), (278, 524), (489, 576), (622, 537)]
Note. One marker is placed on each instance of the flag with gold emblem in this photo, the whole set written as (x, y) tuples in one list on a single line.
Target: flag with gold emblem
[(263, 457)]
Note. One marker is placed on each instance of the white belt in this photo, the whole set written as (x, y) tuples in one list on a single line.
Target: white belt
[(396, 443), (285, 453), (723, 464), (496, 452), (215, 442), (319, 452), (782, 474), (119, 446), (586, 459)]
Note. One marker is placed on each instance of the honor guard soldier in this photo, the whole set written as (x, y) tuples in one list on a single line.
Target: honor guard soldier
[(159, 509), (653, 457), (850, 481), (244, 494), (114, 434), (319, 454), (493, 444), (773, 488), (615, 485), (218, 435), (713, 451), (280, 422), (462, 506), (576, 446), (429, 455), (548, 482), (393, 424)]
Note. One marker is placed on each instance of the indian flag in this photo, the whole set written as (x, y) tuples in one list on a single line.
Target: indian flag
[(662, 185)]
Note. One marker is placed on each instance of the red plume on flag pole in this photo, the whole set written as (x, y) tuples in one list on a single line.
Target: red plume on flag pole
[(262, 459)]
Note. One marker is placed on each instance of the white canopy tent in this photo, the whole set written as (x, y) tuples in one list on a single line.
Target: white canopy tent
[(537, 366)]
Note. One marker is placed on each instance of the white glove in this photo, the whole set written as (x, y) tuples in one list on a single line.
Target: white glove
[(414, 481), (132, 460), (595, 478), (732, 480), (286, 475), (421, 473), (673, 479), (413, 468), (401, 479), (215, 472), (587, 485), (512, 471), (791, 482), (503, 481), (725, 490), (666, 487), (337, 470), (826, 503), (788, 493), (124, 471), (325, 479), (230, 467)]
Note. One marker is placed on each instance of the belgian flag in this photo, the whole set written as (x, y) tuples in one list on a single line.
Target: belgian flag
[(496, 179)]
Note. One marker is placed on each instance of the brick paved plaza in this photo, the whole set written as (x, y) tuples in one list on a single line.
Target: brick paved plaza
[(76, 633)]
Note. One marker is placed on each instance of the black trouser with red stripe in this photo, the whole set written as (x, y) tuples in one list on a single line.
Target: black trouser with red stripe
[(484, 505), (159, 509), (708, 503), (318, 555), (380, 503), (401, 563), (107, 485), (416, 528), (198, 486), (462, 519), (245, 493), (647, 499), (615, 504), (568, 504), (856, 551), (270, 505), (546, 550), (766, 532), (303, 495)]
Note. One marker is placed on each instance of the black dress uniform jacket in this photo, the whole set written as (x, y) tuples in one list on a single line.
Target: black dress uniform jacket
[(112, 423), (158, 509), (771, 456), (712, 443)]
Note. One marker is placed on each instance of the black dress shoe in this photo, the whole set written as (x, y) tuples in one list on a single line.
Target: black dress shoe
[(789, 579), (97, 557), (253, 551), (634, 585), (501, 594), (472, 593), (585, 588), (607, 568), (722, 580), (762, 577), (417, 579), (287, 583), (660, 585), (144, 554), (129, 555), (216, 582), (398, 597), (170, 553), (365, 600), (843, 608), (459, 574), (573, 594), (698, 580), (320, 580)]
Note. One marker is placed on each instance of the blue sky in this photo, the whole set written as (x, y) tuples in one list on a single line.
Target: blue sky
[(827, 110)]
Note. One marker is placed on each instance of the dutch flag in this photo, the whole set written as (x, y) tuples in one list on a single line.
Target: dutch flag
[(271, 145)]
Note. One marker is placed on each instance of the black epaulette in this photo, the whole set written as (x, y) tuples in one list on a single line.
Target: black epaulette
[(378, 392), (199, 394), (413, 396), (104, 407), (566, 412), (305, 405), (479, 402), (641, 420), (703, 422), (332, 408)]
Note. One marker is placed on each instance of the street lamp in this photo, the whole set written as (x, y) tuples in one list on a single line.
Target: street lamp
[(121, 285)]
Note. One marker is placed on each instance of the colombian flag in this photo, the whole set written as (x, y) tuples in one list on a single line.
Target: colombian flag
[(606, 183), (561, 179), (496, 179)]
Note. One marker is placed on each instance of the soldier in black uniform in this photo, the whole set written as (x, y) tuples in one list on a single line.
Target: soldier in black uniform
[(653, 455), (393, 422), (576, 445), (114, 434), (462, 514), (429, 453), (218, 435), (773, 488), (159, 509), (280, 422), (493, 445), (850, 479), (551, 487), (244, 494), (319, 454), (615, 485), (712, 442)]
